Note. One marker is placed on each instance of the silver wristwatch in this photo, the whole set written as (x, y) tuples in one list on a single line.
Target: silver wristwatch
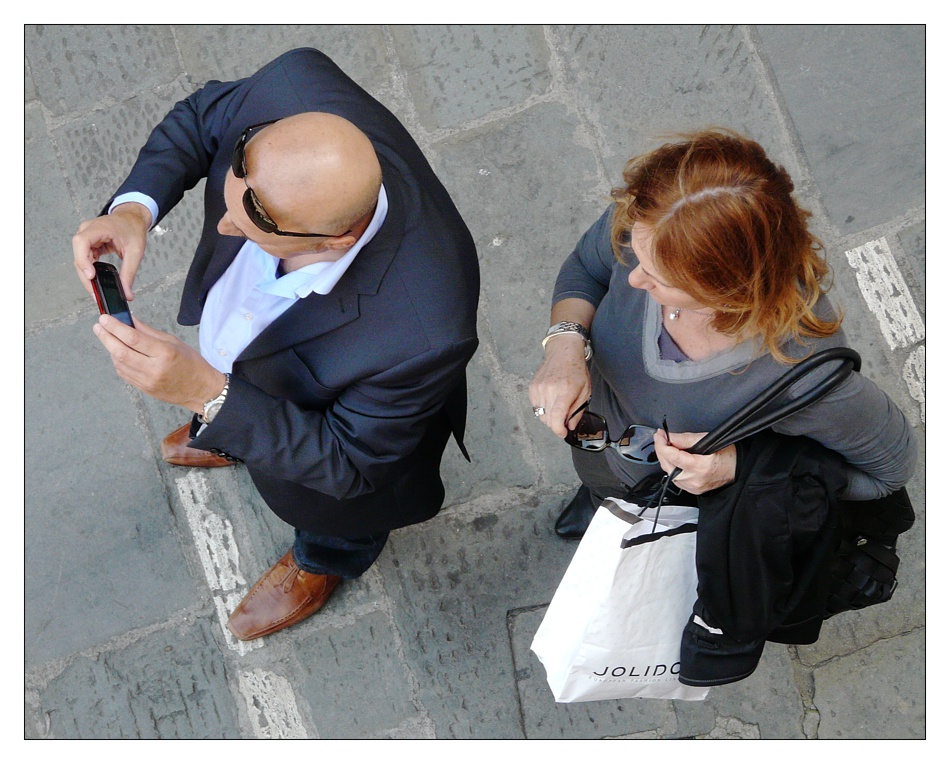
[(213, 406), (570, 327)]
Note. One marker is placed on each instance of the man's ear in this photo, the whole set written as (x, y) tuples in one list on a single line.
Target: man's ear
[(341, 242)]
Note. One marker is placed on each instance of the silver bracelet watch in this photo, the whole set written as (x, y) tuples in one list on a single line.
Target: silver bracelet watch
[(213, 406), (570, 327)]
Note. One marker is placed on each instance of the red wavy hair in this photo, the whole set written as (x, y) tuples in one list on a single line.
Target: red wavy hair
[(728, 232)]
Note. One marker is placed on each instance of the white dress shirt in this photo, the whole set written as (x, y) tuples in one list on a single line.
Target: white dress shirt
[(251, 294)]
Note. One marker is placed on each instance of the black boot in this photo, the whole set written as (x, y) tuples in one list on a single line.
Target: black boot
[(576, 516)]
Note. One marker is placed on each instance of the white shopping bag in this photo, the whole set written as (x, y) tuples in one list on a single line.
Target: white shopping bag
[(614, 626)]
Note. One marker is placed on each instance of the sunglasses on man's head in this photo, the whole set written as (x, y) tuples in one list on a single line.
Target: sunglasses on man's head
[(590, 434), (252, 205)]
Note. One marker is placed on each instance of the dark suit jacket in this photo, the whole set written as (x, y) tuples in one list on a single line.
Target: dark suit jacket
[(342, 407)]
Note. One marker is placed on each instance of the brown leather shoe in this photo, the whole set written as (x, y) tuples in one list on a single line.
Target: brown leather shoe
[(175, 450), (285, 595)]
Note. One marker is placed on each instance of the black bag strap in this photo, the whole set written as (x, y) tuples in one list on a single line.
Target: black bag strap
[(750, 419), (743, 423)]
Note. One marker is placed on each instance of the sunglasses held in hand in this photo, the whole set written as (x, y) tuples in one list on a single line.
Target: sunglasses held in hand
[(590, 434)]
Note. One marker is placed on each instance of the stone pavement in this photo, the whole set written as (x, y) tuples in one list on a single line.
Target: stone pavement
[(132, 565)]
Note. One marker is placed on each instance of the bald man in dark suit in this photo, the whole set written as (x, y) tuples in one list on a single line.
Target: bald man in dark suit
[(335, 285)]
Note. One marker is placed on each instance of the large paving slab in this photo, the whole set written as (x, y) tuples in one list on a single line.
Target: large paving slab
[(232, 51), (454, 582), (890, 703), (640, 83), (855, 92), (336, 668), (169, 684), (498, 440), (102, 550), (457, 74), (48, 263), (511, 160), (75, 66)]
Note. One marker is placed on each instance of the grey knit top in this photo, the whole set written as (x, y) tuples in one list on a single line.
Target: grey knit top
[(634, 383)]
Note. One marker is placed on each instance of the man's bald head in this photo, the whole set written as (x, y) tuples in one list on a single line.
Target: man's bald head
[(314, 172)]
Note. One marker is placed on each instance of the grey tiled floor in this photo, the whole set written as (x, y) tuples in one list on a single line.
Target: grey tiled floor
[(529, 127)]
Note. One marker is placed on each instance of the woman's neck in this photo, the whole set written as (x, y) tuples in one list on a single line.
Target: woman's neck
[(693, 333)]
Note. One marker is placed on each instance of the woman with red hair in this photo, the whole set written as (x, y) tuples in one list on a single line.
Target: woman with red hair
[(698, 287)]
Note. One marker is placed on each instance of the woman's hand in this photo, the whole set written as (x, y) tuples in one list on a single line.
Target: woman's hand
[(562, 382), (699, 473)]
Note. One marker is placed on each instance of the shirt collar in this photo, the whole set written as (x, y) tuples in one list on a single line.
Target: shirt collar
[(322, 277)]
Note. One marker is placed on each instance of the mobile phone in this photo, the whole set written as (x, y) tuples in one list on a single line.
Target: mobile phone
[(109, 293)]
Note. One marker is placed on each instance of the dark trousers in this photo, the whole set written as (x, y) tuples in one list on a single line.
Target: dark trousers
[(332, 555), (329, 555)]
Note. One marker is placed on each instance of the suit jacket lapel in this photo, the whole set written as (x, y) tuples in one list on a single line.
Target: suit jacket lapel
[(225, 250)]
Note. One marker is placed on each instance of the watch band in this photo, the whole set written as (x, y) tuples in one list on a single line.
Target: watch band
[(212, 407), (570, 327)]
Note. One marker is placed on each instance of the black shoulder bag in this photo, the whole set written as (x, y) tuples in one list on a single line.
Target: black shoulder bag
[(863, 570)]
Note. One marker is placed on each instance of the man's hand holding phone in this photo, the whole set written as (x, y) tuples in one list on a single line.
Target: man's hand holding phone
[(124, 232), (159, 364)]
